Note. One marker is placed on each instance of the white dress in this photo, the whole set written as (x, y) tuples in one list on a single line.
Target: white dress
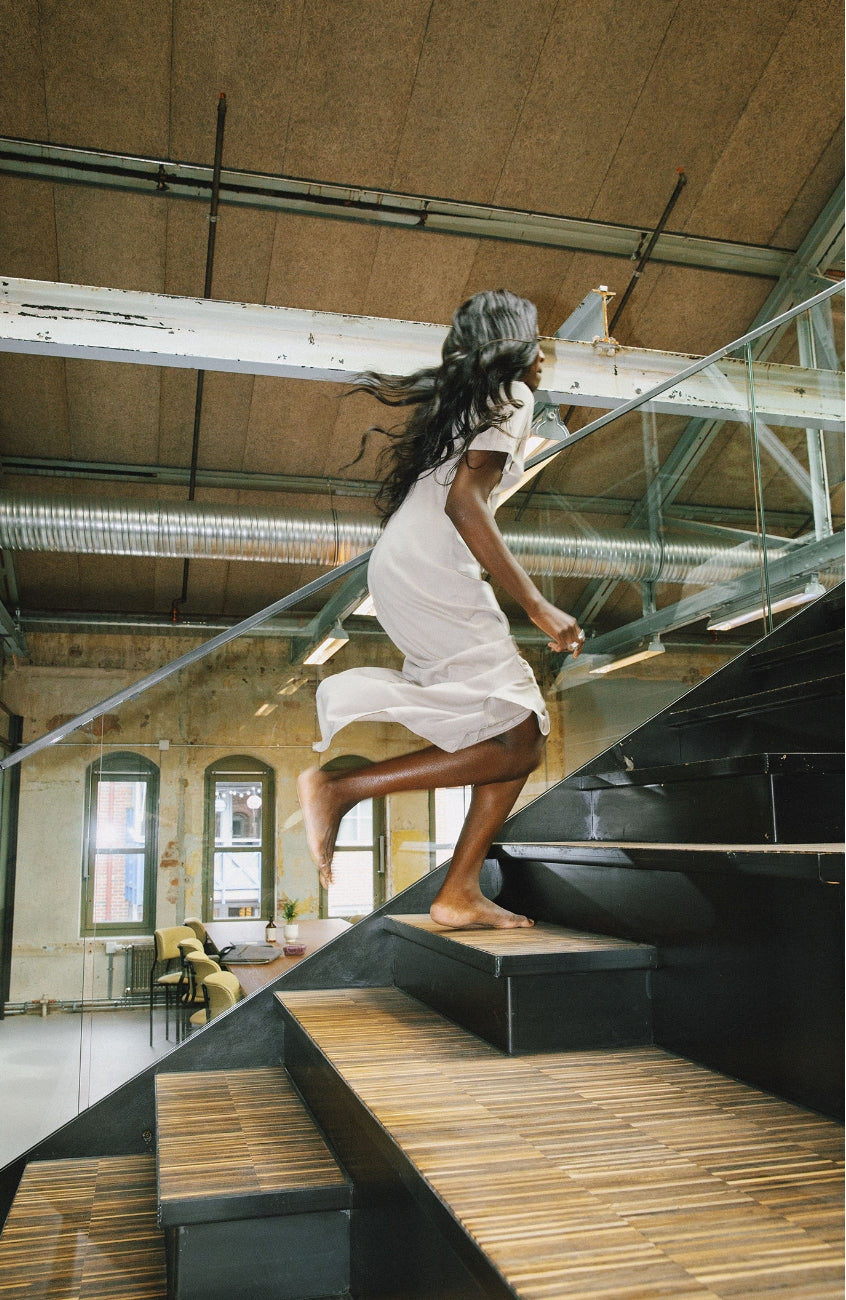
[(462, 680)]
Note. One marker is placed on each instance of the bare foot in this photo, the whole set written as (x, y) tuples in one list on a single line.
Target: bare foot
[(322, 818), (475, 912)]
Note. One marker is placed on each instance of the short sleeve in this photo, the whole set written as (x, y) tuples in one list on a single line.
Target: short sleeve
[(510, 436)]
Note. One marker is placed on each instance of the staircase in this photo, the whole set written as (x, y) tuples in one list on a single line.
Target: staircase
[(635, 1098)]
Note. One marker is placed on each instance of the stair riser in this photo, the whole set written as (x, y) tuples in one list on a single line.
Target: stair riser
[(522, 1014), (750, 980), (403, 1241), (295, 1257), (741, 808), (734, 809)]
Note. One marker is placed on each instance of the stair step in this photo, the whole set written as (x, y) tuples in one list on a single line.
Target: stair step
[(791, 694), (632, 1172), (528, 990), (710, 768), (250, 1195), (81, 1229), (817, 862)]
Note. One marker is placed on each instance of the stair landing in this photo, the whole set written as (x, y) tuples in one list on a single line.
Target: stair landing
[(626, 1173)]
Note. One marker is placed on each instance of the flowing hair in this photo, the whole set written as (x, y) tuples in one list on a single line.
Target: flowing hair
[(492, 341)]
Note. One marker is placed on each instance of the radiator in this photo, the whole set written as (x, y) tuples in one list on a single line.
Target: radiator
[(139, 963)]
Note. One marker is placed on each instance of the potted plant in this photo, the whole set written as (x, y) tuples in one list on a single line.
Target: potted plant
[(289, 911)]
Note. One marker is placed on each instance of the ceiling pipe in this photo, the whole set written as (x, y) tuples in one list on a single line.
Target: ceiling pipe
[(162, 530)]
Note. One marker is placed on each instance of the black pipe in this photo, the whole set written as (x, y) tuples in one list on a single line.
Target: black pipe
[(207, 288), (647, 252), (638, 271)]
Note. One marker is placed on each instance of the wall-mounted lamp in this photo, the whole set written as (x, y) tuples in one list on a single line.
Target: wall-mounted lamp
[(654, 648), (330, 645), (737, 615)]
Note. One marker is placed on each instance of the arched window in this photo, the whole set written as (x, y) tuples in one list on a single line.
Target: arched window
[(358, 865), (119, 855), (238, 866)]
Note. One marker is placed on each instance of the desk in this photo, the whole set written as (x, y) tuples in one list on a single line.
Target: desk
[(314, 934)]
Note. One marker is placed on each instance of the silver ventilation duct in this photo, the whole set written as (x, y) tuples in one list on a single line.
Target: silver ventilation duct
[(95, 526)]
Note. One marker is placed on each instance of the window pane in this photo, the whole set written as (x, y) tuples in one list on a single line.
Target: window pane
[(121, 809), (237, 812), (118, 887), (357, 826), (450, 810), (351, 891), (237, 885)]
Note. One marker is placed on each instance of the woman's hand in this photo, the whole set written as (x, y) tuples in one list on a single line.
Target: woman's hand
[(565, 633)]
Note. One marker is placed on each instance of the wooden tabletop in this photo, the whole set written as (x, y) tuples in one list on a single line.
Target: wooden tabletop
[(314, 934)]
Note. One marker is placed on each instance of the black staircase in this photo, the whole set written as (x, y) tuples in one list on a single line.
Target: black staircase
[(519, 1134)]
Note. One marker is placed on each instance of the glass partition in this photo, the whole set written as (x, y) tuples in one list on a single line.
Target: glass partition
[(177, 798)]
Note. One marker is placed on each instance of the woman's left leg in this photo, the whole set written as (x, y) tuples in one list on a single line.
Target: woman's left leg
[(460, 902)]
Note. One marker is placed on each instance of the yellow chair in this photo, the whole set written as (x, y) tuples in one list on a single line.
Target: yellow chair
[(195, 924), (166, 971), (199, 968), (222, 992)]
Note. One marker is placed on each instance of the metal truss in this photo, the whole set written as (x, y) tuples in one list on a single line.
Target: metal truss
[(157, 177)]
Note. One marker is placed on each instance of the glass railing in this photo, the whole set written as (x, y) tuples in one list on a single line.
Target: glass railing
[(155, 788)]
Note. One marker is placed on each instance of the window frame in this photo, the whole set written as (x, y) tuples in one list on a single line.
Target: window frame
[(240, 767), (109, 768)]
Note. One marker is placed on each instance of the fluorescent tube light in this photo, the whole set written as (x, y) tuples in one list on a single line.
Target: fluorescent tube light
[(728, 620), (329, 646), (654, 648), (366, 608), (263, 710)]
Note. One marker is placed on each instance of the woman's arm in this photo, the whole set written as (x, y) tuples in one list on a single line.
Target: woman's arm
[(478, 473)]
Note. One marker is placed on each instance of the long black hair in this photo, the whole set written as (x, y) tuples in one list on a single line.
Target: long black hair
[(492, 341)]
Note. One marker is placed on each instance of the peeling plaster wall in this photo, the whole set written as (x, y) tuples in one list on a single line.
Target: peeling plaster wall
[(204, 713)]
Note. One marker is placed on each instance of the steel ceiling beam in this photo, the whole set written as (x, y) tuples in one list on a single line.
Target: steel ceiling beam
[(49, 319), (156, 177), (804, 562), (822, 247), (10, 634)]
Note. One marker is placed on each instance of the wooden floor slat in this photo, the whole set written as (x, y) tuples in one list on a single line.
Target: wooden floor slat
[(84, 1230), (541, 938), (237, 1133), (630, 1173)]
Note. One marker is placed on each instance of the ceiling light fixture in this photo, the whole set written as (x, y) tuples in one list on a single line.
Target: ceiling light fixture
[(366, 608), (330, 645), (737, 615), (654, 648)]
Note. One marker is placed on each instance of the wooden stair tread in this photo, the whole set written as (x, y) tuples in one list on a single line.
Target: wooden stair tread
[(84, 1230), (632, 1172), (542, 948), (240, 1144)]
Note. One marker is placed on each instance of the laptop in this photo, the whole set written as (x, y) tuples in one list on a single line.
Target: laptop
[(250, 953)]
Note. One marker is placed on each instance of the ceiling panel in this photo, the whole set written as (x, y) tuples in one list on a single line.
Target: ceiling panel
[(106, 74), (355, 66), (22, 108)]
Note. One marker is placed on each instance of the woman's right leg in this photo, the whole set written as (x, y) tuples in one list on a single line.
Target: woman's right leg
[(503, 761)]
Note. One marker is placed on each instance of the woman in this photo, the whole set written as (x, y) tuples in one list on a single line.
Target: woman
[(463, 686)]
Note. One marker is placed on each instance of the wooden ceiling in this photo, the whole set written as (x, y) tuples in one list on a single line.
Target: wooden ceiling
[(584, 109)]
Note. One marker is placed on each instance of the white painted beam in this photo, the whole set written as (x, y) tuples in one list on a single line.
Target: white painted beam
[(43, 318)]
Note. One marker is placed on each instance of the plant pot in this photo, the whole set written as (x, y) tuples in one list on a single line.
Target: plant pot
[(291, 930)]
